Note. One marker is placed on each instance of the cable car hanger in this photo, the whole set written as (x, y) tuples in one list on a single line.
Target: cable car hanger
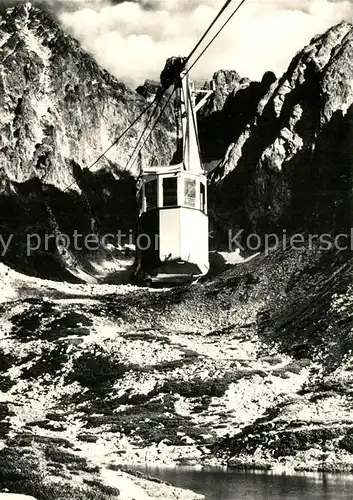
[(186, 60), (159, 96)]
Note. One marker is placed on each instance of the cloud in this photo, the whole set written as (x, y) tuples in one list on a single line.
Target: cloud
[(132, 39)]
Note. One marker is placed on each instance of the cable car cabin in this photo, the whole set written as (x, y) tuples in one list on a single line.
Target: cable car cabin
[(172, 241), (172, 233)]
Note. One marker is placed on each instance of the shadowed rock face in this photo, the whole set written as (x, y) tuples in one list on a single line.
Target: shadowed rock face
[(228, 111), (106, 204), (291, 166)]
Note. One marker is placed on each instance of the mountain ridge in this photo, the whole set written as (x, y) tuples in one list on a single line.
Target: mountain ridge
[(278, 171), (75, 108)]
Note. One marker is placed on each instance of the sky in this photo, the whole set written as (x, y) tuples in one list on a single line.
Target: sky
[(132, 39)]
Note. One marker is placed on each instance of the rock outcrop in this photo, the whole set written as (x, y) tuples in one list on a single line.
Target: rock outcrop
[(291, 165), (228, 111)]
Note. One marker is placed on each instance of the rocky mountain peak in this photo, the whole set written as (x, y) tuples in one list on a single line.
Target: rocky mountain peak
[(292, 161), (323, 47), (227, 82), (327, 61), (58, 105), (149, 89)]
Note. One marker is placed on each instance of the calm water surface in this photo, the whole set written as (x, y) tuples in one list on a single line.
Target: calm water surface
[(220, 484)]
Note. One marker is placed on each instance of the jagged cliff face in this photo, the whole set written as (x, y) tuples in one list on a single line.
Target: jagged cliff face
[(58, 105), (58, 112), (291, 165), (228, 111)]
